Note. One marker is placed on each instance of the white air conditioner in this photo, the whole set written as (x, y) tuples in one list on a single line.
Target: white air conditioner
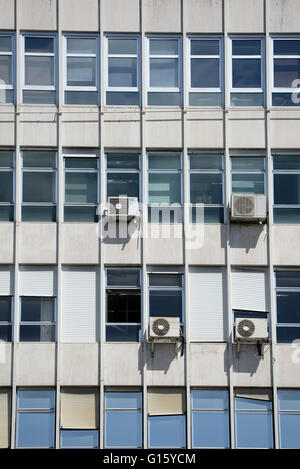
[(164, 328), (248, 207), (123, 207), (255, 329)]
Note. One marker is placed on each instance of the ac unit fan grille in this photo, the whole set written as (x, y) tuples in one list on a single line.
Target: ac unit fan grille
[(160, 327), (246, 328), (244, 206)]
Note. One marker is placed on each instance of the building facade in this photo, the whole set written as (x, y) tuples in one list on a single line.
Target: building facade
[(174, 102)]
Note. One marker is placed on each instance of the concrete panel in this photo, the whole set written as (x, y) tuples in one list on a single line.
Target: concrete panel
[(37, 242), (80, 15), (37, 15), (283, 16), (5, 363), (7, 125), (124, 250), (7, 17), (205, 16), (6, 243), (122, 364), (286, 245), (284, 129), (246, 129), (121, 16), (80, 243), (249, 369), (249, 244), (205, 129), (80, 127), (38, 127), (163, 368), (79, 365), (164, 244), (208, 364), (35, 364), (212, 250), (163, 16), (245, 17), (287, 365), (122, 130), (163, 129)]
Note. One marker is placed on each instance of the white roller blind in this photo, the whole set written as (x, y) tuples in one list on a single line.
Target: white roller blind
[(37, 281), (6, 280), (254, 393), (79, 305), (207, 306), (4, 417), (79, 409), (249, 290), (166, 401)]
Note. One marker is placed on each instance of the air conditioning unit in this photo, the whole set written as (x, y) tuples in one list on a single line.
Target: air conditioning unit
[(123, 207), (251, 329), (248, 207), (164, 328)]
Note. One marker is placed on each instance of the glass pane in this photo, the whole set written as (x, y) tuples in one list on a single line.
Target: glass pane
[(288, 310), (5, 43), (205, 99), (246, 73), (5, 69), (123, 429), (252, 404), (32, 333), (122, 46), (165, 280), (38, 213), (39, 159), (248, 162), (6, 186), (122, 71), (36, 399), (39, 97), (286, 335), (210, 215), (210, 430), (122, 98), (287, 47), (164, 160), (164, 73), (79, 438), (164, 188), (81, 45), (123, 161), (286, 162), (286, 188), (81, 97), (289, 399), (123, 277), (209, 399), (39, 71), (37, 309), (80, 214), (165, 303), (5, 309), (6, 159), (123, 333), (206, 188), (123, 306), (5, 332), (7, 96), (285, 71), (246, 47), (123, 184), (6, 213), (254, 430), (286, 215), (123, 400), (288, 279), (39, 44), (202, 161), (78, 163), (204, 47), (163, 46), (248, 183), (81, 188), (289, 430), (205, 73), (167, 431), (39, 187), (165, 213), (246, 99), (164, 99), (284, 99), (35, 430), (81, 71)]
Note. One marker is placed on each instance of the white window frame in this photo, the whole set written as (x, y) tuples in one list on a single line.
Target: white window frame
[(12, 54), (283, 171), (11, 169), (148, 57), (65, 70), (220, 57), (284, 290), (11, 322), (250, 171), (107, 56), (53, 54), (39, 323), (231, 89), (123, 170), (274, 89)]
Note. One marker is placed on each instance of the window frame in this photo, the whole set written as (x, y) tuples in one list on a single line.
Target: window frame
[(283, 172), (282, 412), (167, 288), (123, 170), (242, 154), (11, 54), (12, 169), (39, 323), (284, 290), (11, 322)]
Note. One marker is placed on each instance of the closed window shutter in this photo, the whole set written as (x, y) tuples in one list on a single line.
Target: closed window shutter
[(79, 409), (166, 401), (37, 281), (4, 418), (254, 393), (249, 290), (6, 281), (207, 309)]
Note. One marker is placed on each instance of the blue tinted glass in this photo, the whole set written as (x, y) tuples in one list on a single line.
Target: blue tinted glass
[(286, 161), (209, 399), (123, 333), (167, 431), (252, 404), (285, 72), (79, 438), (289, 399), (288, 279), (254, 430), (36, 399), (164, 188), (289, 430), (39, 44), (209, 161), (204, 47), (206, 188), (286, 215), (35, 430), (205, 73), (287, 47), (123, 184), (6, 186), (246, 47), (288, 310), (285, 99), (210, 430), (286, 335), (123, 400), (248, 183), (123, 429), (286, 188), (165, 280), (166, 303), (246, 73)]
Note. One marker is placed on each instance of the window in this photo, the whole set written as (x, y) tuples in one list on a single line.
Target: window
[(6, 68), (123, 174), (247, 174), (122, 70), (205, 71), (286, 68), (39, 186), (6, 318), (37, 319), (81, 69), (123, 305), (39, 70), (35, 418), (246, 80), (6, 184), (206, 186), (289, 418), (164, 71), (166, 295), (123, 420), (164, 186), (81, 188), (287, 305), (210, 418), (253, 419), (286, 180)]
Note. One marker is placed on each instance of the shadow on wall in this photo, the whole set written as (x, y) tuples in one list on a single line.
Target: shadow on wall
[(248, 359), (246, 236), (164, 355)]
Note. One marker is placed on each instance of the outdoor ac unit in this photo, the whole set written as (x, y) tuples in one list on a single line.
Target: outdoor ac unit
[(164, 328), (248, 207), (251, 329), (123, 207)]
